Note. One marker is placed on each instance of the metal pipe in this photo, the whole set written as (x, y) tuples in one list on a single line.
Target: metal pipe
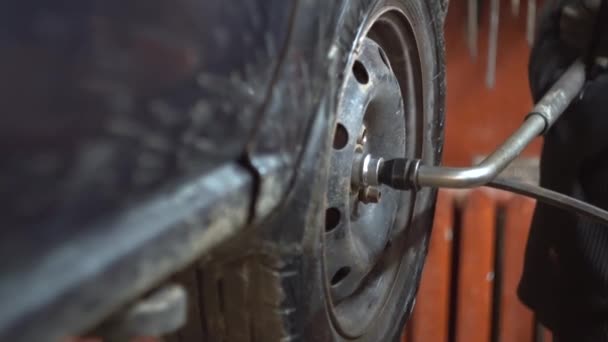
[(493, 43), (562, 93), (472, 27), (531, 22), (543, 115), (453, 177), (515, 8)]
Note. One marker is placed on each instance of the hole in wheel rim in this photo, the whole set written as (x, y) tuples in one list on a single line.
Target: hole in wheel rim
[(340, 137), (340, 275), (332, 219), (360, 73)]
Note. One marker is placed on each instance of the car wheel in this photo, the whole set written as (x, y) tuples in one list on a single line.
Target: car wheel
[(341, 258)]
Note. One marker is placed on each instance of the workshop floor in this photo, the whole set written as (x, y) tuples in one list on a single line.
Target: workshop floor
[(468, 287)]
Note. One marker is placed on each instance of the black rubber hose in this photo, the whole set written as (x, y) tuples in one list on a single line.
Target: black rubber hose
[(552, 198)]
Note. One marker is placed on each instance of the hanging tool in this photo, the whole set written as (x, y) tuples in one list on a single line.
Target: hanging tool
[(515, 8), (493, 43), (531, 21), (472, 26)]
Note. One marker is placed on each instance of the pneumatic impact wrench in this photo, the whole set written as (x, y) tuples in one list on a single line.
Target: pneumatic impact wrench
[(411, 174)]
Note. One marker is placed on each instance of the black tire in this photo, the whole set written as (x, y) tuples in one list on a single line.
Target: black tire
[(269, 285)]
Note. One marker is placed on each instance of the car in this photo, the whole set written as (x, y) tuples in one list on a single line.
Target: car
[(216, 148)]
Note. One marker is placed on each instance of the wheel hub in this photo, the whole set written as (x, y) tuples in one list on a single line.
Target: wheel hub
[(361, 213)]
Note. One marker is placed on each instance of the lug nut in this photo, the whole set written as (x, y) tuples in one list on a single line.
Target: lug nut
[(366, 170), (370, 194), (370, 170)]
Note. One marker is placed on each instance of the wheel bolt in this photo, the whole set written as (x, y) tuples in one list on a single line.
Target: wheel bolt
[(370, 194), (362, 140)]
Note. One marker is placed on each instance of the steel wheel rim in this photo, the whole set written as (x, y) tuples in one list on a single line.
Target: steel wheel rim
[(359, 259)]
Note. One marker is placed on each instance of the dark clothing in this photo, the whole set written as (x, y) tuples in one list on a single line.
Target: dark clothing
[(565, 277)]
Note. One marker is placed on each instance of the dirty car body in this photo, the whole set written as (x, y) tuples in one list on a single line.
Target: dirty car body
[(136, 137)]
